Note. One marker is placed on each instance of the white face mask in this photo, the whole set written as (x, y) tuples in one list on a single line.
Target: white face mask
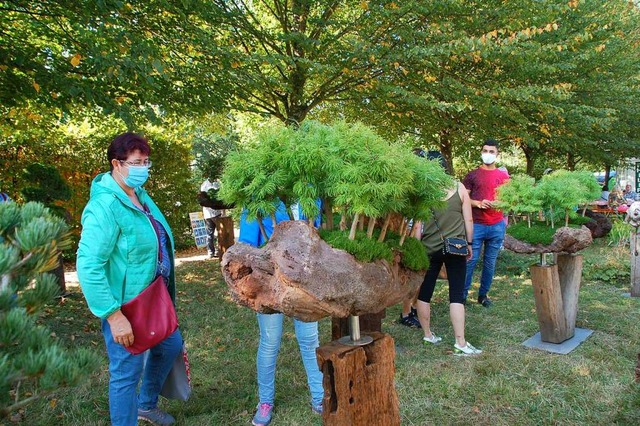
[(488, 158)]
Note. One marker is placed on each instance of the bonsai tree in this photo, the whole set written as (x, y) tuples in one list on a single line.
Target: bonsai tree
[(563, 191), (32, 364), (557, 195), (519, 196), (348, 166)]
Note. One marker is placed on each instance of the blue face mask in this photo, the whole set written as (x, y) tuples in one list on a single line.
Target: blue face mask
[(138, 175)]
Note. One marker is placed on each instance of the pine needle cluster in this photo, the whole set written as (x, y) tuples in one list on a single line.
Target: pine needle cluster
[(32, 365)]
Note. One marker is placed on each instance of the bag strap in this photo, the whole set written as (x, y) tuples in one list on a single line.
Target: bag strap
[(436, 220)]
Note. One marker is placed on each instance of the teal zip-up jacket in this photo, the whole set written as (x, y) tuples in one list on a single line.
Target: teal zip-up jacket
[(118, 250)]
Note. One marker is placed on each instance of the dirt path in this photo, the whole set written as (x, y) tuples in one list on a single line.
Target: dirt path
[(71, 277)]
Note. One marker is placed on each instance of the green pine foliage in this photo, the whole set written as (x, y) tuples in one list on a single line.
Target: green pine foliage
[(32, 364)]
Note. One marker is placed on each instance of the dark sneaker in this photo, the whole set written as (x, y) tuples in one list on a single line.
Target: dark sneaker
[(317, 408), (263, 414), (485, 301), (410, 320), (156, 417)]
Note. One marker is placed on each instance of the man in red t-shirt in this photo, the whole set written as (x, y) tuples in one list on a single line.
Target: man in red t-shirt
[(488, 223)]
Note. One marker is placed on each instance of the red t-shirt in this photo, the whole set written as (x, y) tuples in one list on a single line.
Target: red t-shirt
[(482, 185)]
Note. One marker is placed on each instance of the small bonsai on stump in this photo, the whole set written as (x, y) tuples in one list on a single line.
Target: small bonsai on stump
[(556, 199)]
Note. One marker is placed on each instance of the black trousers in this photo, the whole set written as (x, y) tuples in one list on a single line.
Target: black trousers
[(456, 267), (211, 224)]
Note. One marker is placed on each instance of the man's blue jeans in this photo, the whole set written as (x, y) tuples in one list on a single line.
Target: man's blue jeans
[(270, 337), (491, 237), (125, 371)]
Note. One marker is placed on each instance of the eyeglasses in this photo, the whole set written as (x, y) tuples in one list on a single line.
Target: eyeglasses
[(145, 163)]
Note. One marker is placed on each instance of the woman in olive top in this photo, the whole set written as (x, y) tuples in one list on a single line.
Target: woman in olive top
[(453, 221)]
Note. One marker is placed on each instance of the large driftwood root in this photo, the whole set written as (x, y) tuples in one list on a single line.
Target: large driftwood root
[(300, 275)]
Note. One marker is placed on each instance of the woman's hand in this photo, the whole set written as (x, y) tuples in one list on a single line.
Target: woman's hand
[(120, 329), (470, 255)]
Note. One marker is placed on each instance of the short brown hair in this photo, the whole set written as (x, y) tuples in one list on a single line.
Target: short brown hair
[(125, 144)]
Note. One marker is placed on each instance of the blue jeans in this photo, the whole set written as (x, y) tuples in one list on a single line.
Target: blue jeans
[(270, 337), (491, 237), (125, 371)]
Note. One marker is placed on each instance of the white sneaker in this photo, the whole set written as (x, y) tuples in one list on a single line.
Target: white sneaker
[(468, 349), (433, 339)]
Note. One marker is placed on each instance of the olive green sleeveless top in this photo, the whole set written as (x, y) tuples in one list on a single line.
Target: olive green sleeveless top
[(450, 221)]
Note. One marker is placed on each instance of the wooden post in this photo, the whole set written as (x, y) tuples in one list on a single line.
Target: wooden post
[(570, 275), (635, 264), (224, 228), (548, 297), (368, 323), (556, 288), (358, 383)]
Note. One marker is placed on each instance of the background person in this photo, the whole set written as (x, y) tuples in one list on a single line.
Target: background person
[(488, 223), (271, 334), (629, 193), (211, 217), (125, 244), (455, 220)]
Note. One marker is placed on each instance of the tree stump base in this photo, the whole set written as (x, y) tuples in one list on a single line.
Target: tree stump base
[(556, 290), (359, 383)]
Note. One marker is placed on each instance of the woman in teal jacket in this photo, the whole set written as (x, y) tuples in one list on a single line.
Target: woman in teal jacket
[(125, 244)]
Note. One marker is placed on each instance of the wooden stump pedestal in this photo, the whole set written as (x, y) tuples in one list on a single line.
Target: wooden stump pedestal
[(556, 290), (359, 383)]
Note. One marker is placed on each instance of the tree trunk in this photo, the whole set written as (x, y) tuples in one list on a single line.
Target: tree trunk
[(528, 155), (446, 148), (385, 226), (262, 230), (328, 213), (571, 161), (371, 226), (354, 227), (405, 233)]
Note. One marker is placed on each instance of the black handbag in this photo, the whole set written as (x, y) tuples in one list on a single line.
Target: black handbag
[(457, 246), (452, 245)]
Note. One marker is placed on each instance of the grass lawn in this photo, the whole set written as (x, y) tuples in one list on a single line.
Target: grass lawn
[(507, 385)]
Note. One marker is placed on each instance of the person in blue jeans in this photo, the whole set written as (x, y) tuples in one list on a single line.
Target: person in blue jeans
[(271, 333), (488, 223), (126, 243)]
